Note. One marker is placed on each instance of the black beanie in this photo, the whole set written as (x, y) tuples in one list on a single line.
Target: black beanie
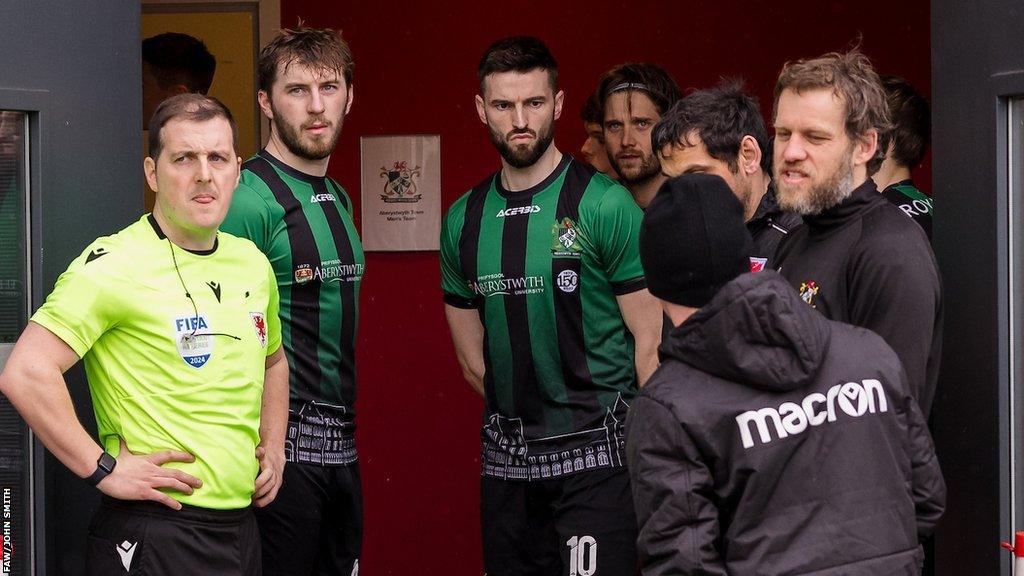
[(693, 239)]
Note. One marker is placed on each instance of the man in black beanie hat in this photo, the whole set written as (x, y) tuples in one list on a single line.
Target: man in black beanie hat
[(771, 440)]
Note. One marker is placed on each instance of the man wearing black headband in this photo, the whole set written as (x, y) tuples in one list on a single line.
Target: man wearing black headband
[(633, 98), (771, 440)]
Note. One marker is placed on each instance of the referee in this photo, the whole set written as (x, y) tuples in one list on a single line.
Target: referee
[(178, 327)]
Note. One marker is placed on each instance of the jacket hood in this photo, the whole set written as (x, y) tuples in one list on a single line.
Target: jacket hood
[(755, 331)]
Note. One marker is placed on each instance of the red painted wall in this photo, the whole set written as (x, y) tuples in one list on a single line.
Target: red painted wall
[(416, 73)]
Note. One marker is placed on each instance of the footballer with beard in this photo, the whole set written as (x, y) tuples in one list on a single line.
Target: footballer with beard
[(553, 324), (302, 220)]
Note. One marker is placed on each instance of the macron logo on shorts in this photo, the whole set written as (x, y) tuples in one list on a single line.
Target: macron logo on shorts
[(126, 550), (852, 398)]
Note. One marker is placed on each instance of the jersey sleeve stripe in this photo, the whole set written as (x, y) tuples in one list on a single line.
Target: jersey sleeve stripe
[(629, 286), (460, 302)]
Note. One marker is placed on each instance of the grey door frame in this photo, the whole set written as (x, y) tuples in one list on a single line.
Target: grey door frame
[(977, 66), (74, 67), (36, 105)]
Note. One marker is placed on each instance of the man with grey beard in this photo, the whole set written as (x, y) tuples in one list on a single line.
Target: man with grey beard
[(845, 262)]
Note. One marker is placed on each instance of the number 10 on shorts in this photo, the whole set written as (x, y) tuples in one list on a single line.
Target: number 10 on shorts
[(582, 555)]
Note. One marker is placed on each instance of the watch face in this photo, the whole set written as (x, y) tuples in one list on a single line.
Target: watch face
[(107, 462)]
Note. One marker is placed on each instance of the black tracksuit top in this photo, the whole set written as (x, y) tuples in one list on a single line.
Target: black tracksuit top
[(768, 227), (863, 262)]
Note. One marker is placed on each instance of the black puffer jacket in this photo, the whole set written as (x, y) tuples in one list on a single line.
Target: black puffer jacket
[(774, 441)]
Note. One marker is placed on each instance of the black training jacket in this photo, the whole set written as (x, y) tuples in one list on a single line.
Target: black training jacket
[(769, 226), (863, 262), (774, 441)]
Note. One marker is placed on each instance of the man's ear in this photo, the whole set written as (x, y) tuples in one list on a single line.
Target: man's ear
[(264, 100), (149, 169), (749, 156), (865, 147), (480, 108), (559, 101)]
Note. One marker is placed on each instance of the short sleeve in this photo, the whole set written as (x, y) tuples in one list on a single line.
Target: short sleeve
[(79, 310), (273, 313), (248, 217), (456, 289), (615, 230)]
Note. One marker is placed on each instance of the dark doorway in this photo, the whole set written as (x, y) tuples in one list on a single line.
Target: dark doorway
[(70, 84)]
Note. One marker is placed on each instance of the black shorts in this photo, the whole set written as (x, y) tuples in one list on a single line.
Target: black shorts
[(147, 538), (315, 525), (580, 525)]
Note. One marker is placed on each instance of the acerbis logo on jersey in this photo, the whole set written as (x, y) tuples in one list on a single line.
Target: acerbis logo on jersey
[(757, 264), (317, 198), (567, 281), (195, 344), (854, 399), (517, 211)]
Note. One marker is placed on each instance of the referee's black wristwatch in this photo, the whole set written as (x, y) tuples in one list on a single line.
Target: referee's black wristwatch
[(104, 466)]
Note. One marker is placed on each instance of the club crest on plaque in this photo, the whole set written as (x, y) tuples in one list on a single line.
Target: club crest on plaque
[(400, 183)]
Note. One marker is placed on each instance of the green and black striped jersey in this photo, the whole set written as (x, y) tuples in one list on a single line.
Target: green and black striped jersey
[(543, 266), (303, 223)]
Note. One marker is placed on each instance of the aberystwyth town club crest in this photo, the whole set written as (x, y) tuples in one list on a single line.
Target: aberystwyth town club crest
[(400, 183), (566, 238)]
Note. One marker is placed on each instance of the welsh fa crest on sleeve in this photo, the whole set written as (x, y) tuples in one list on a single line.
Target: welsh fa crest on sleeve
[(400, 183), (259, 324), (566, 239)]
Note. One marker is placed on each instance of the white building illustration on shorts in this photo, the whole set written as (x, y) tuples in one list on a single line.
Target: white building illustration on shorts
[(508, 454)]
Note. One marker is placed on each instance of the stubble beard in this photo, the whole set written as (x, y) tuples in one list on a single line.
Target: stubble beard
[(649, 169), (311, 149), (820, 197)]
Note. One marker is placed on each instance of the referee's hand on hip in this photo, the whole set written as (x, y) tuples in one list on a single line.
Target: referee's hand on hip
[(140, 476)]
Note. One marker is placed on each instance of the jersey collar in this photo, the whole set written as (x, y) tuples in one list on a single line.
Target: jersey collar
[(160, 234), (297, 174), (562, 164)]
